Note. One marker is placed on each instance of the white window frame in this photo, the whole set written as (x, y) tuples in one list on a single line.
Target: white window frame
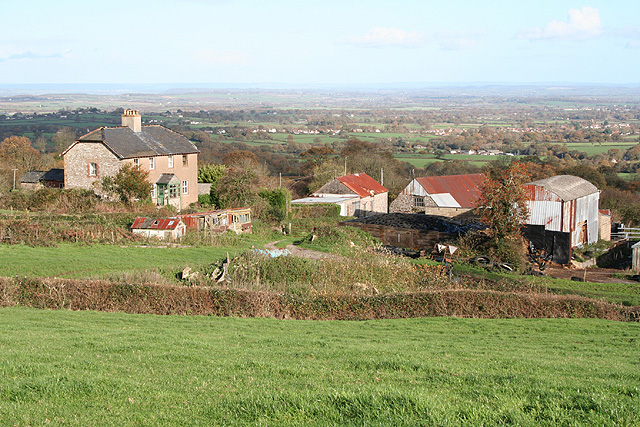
[(153, 193), (136, 162), (152, 163), (170, 161), (93, 169), (185, 187)]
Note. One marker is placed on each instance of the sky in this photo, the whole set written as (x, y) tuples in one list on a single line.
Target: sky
[(309, 42)]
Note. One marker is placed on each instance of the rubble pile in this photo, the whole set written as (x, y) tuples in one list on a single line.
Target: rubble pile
[(422, 222)]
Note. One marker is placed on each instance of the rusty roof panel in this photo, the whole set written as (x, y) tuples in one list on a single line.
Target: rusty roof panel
[(465, 189), (155, 223)]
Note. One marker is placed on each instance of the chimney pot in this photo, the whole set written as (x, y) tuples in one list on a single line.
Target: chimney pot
[(132, 119)]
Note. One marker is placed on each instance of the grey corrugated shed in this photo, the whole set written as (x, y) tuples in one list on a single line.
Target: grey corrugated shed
[(149, 142), (567, 187)]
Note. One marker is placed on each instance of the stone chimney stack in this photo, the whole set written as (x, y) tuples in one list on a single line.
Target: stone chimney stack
[(132, 119)]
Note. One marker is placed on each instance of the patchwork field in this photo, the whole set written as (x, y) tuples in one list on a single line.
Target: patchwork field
[(89, 368)]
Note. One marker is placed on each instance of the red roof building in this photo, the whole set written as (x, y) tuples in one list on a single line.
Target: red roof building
[(162, 228), (448, 195), (357, 195)]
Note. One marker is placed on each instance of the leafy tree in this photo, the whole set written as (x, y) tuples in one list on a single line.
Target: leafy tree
[(130, 183), (503, 202), (588, 173), (211, 173), (277, 199)]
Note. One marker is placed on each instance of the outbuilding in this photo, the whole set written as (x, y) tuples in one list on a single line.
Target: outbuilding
[(563, 214), (162, 228)]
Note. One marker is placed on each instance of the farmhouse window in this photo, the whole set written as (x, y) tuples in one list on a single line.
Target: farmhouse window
[(170, 161), (185, 187), (184, 160), (93, 169), (418, 202), (136, 162), (152, 163), (174, 190)]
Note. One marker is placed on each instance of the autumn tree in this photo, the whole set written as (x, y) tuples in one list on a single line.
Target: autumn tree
[(129, 184), (17, 153), (503, 201)]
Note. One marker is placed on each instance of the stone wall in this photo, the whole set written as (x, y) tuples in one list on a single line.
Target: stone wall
[(77, 160)]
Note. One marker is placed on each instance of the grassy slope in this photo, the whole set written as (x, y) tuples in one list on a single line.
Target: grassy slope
[(88, 368)]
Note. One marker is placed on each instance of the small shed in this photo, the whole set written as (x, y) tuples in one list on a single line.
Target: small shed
[(563, 214), (33, 180), (237, 220), (162, 228)]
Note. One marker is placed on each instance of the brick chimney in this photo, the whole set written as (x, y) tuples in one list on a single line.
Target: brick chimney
[(132, 119)]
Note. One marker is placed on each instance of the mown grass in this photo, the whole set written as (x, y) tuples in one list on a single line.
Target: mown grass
[(89, 368)]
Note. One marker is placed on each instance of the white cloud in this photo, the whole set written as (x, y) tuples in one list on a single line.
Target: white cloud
[(222, 57), (583, 24), (30, 55), (456, 40), (383, 37), (633, 44)]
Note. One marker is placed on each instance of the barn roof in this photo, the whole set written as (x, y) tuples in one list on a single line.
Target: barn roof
[(143, 223), (151, 141), (464, 189), (567, 187), (362, 184)]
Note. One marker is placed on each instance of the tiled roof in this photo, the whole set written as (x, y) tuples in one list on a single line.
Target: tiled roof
[(150, 141), (465, 189), (142, 223), (362, 184)]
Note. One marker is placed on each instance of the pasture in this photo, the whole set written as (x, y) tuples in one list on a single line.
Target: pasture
[(109, 369)]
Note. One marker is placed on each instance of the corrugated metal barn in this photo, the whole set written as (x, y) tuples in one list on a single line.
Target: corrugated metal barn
[(563, 214)]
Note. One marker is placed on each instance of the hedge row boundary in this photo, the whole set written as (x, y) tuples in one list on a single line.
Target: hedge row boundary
[(55, 293)]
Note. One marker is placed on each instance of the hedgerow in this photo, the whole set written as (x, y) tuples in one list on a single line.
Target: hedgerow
[(52, 293)]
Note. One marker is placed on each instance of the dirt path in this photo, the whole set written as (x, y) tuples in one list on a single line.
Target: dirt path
[(302, 252)]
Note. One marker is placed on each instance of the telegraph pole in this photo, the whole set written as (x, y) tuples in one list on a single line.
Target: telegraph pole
[(14, 179)]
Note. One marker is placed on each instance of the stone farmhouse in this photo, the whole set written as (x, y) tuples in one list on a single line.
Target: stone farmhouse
[(170, 158), (357, 195), (449, 195)]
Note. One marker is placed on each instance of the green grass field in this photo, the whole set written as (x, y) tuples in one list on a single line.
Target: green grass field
[(593, 149), (78, 261), (65, 368)]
